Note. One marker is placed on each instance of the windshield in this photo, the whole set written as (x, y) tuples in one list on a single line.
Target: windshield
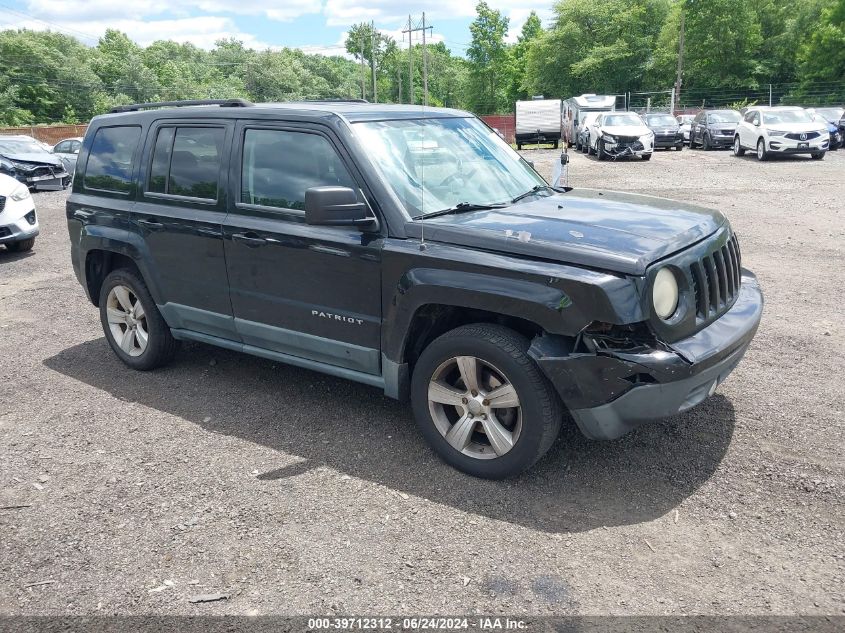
[(831, 114), (724, 117), (20, 146), (435, 164), (786, 116), (661, 119), (623, 119)]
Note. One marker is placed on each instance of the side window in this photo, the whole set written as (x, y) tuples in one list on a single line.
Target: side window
[(110, 160), (62, 148), (749, 117), (756, 119), (75, 146), (186, 162), (279, 165)]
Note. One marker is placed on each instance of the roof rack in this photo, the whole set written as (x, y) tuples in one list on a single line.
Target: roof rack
[(335, 101), (223, 103)]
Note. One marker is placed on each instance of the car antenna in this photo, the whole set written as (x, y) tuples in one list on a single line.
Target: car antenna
[(422, 178)]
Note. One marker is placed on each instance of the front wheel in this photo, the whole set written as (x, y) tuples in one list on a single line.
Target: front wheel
[(482, 402), (738, 149), (600, 153), (646, 156), (22, 246), (133, 325), (817, 155), (705, 143), (762, 154)]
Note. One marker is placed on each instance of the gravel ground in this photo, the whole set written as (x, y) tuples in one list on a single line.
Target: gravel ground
[(297, 493)]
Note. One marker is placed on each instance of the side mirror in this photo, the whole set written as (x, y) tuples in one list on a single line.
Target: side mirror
[(531, 163), (335, 206)]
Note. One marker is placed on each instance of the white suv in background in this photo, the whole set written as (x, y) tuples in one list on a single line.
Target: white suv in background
[(780, 130), (18, 222)]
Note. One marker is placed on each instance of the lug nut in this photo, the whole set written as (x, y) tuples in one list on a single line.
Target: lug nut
[(486, 403), (474, 393), (483, 416), (464, 400)]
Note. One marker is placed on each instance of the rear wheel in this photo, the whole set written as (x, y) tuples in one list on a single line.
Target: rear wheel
[(133, 325), (482, 402), (20, 247), (738, 149), (762, 154)]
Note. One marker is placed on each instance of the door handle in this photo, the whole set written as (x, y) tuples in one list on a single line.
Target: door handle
[(249, 239), (151, 224), (82, 215)]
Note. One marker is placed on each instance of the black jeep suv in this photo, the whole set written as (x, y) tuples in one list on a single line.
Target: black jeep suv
[(411, 250)]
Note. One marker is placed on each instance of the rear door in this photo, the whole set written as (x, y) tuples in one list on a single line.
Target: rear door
[(180, 212), (308, 291)]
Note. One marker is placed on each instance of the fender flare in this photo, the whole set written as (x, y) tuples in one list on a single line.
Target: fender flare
[(123, 242)]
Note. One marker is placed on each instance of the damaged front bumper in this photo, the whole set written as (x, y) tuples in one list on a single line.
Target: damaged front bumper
[(611, 392)]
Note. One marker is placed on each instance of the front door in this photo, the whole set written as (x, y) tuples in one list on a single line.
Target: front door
[(180, 214), (312, 292)]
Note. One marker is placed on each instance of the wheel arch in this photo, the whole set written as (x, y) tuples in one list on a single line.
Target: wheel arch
[(104, 249)]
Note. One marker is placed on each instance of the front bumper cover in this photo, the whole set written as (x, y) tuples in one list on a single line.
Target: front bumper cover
[(612, 392)]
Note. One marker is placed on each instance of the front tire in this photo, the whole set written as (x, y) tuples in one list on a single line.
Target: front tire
[(762, 154), (600, 153), (482, 402), (647, 156), (738, 149), (705, 143), (817, 155), (132, 323), (22, 246)]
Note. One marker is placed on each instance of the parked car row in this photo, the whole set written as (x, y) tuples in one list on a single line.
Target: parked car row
[(620, 134)]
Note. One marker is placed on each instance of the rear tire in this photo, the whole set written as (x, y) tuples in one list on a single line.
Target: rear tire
[(146, 322), (497, 357), (20, 247)]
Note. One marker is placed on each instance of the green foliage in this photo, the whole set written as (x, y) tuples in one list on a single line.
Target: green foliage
[(602, 46), (489, 61)]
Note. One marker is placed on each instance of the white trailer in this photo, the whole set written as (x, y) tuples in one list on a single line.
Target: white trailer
[(538, 121), (574, 107)]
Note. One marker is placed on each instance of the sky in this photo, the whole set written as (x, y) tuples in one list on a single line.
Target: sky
[(316, 26)]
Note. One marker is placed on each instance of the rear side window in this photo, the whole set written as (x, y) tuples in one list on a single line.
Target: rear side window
[(186, 162), (109, 165), (279, 165)]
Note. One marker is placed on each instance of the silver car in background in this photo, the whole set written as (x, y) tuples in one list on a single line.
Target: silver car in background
[(68, 150)]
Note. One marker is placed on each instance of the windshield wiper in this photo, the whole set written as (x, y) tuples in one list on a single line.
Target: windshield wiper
[(537, 189), (461, 207)]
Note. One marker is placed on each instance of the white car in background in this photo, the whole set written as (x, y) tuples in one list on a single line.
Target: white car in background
[(582, 132), (685, 121), (18, 220), (619, 134), (769, 131)]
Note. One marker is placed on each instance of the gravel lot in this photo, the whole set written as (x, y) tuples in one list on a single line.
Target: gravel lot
[(297, 493)]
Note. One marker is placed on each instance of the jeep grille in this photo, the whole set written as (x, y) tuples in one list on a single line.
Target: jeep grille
[(716, 279)]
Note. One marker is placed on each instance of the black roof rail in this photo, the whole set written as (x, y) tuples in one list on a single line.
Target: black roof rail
[(224, 103)]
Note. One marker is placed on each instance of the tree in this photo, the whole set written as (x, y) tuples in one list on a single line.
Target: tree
[(822, 57), (488, 57), (531, 30)]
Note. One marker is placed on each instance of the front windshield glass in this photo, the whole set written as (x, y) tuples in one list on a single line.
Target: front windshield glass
[(831, 114), (622, 119), (786, 116), (438, 163), (724, 117), (20, 146), (661, 119)]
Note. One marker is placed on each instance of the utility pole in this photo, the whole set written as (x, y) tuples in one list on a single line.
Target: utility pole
[(363, 78), (399, 82), (425, 64), (410, 32), (679, 79), (373, 59)]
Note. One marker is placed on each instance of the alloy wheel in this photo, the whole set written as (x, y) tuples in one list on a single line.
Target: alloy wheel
[(475, 407), (127, 320)]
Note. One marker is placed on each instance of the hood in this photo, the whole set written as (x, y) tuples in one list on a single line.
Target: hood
[(608, 230), (796, 127), (35, 157), (626, 130)]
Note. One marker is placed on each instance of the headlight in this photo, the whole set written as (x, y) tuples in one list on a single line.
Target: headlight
[(20, 193), (608, 138), (777, 133), (664, 293)]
